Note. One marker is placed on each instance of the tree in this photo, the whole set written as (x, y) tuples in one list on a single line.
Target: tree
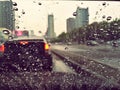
[(62, 37)]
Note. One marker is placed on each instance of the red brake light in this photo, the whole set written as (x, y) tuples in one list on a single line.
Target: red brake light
[(2, 48), (47, 47), (23, 42)]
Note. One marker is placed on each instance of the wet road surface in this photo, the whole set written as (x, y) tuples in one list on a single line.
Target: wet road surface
[(104, 54), (60, 66)]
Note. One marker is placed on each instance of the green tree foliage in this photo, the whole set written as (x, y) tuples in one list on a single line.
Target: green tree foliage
[(104, 30)]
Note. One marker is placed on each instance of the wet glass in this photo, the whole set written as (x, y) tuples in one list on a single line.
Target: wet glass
[(50, 45)]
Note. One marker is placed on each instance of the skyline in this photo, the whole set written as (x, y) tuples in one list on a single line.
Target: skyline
[(35, 17)]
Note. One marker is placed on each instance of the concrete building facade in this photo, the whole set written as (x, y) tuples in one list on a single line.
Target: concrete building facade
[(50, 30), (70, 24), (82, 17), (7, 15)]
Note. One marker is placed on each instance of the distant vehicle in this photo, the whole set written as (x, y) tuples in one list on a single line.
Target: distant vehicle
[(56, 43), (91, 43), (115, 44), (27, 52), (69, 43), (108, 42), (100, 41)]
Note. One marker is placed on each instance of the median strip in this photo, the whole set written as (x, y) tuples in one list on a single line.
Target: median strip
[(90, 65)]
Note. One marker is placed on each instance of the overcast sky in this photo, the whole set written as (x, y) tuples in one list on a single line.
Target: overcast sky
[(35, 17)]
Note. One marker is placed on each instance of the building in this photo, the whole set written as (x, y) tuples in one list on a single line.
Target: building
[(31, 33), (50, 30), (7, 15), (70, 24), (82, 17)]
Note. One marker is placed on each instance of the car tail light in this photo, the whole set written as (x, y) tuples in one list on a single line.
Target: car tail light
[(47, 47), (23, 42), (2, 48)]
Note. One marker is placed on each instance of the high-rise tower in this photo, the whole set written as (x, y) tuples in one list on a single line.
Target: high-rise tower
[(7, 15), (70, 24), (82, 17), (50, 30)]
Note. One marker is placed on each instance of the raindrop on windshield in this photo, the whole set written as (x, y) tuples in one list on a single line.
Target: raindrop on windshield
[(100, 9), (109, 18), (34, 2), (104, 4), (96, 12), (16, 9), (19, 16), (14, 19), (14, 4), (39, 3), (74, 14), (57, 2), (17, 27), (88, 52), (81, 2), (103, 16), (23, 12)]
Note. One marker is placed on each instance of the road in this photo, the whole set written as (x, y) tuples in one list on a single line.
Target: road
[(105, 54), (60, 66), (91, 59)]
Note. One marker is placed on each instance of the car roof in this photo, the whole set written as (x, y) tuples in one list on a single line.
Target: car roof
[(29, 38)]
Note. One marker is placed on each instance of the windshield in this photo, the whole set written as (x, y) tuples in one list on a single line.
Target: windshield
[(58, 44)]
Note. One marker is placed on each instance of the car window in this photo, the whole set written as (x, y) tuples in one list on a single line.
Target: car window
[(59, 45)]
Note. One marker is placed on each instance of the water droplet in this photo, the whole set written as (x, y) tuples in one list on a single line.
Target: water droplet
[(14, 4), (39, 3)]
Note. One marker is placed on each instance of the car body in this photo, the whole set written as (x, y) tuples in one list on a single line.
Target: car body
[(27, 52), (69, 43), (91, 43)]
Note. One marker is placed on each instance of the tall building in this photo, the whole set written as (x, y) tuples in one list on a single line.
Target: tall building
[(50, 30), (82, 17), (31, 33), (70, 24), (7, 15)]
